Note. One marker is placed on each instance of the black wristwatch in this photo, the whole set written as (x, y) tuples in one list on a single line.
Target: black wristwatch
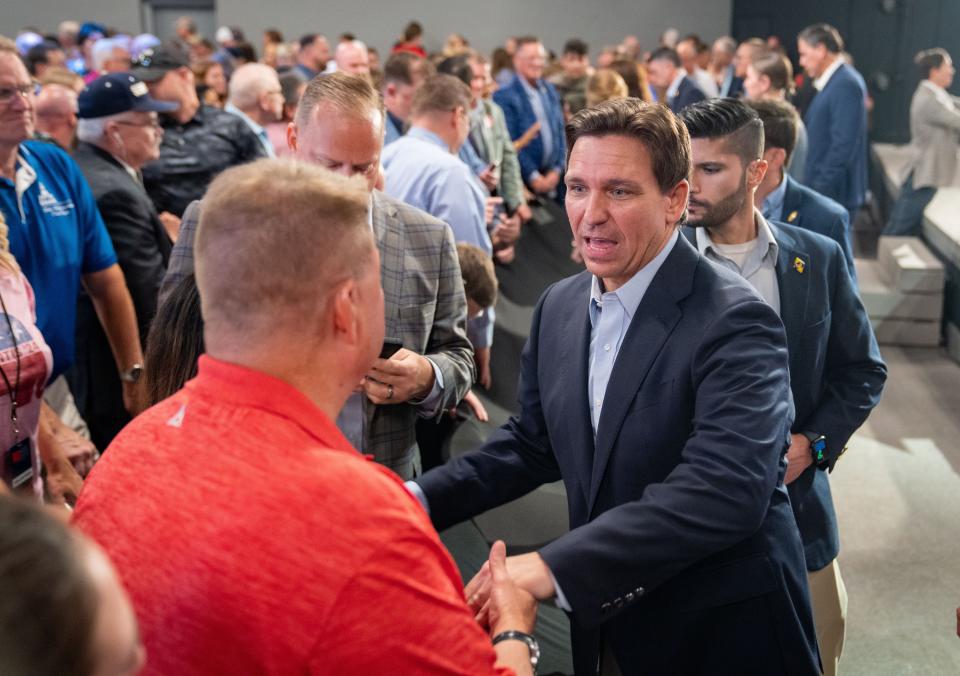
[(531, 642), (818, 449)]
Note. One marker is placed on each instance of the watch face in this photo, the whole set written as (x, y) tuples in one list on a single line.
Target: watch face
[(133, 375)]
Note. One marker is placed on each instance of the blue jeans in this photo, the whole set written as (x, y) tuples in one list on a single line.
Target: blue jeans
[(906, 219)]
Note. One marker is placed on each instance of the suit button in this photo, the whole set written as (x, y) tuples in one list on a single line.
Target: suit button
[(638, 591), (605, 608), (618, 602), (629, 597)]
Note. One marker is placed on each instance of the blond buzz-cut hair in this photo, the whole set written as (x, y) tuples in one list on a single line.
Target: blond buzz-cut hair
[(346, 92), (274, 240)]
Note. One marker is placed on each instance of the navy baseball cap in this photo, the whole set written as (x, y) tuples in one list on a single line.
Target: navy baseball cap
[(119, 93), (153, 64)]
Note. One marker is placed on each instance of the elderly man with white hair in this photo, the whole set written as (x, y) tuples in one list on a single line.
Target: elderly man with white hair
[(109, 56), (256, 98), (118, 133)]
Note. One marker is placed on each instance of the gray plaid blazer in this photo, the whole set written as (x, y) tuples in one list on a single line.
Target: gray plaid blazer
[(425, 307)]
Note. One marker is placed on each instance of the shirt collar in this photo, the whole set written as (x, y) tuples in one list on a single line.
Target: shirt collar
[(765, 240), (242, 386), (428, 136), (233, 110), (631, 294), (822, 81), (674, 87), (531, 89), (773, 203)]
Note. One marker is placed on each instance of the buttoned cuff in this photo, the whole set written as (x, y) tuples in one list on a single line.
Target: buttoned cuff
[(561, 599), (414, 488)]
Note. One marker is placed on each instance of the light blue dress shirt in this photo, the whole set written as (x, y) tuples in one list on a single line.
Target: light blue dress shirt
[(773, 203), (535, 96), (421, 171), (261, 133), (610, 316)]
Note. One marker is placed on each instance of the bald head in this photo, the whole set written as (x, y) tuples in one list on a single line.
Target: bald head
[(352, 57), (255, 89), (55, 110), (264, 272)]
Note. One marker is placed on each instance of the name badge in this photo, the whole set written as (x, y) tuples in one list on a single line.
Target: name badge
[(18, 466)]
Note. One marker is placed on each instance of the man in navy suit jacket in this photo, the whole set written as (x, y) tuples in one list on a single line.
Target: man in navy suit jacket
[(655, 385), (836, 373), (780, 198), (836, 120), (666, 72), (534, 116)]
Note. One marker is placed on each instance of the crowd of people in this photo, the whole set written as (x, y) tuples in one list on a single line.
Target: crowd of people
[(232, 277)]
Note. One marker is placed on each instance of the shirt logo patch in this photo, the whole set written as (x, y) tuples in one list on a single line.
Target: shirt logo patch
[(51, 205), (177, 419)]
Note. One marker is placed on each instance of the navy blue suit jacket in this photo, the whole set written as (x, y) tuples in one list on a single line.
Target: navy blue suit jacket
[(683, 554), (807, 209), (837, 131), (836, 373), (519, 116), (687, 94)]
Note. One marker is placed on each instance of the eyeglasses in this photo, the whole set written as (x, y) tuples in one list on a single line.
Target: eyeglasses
[(25, 90)]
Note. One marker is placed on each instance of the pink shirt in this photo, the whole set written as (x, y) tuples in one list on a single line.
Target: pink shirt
[(35, 364)]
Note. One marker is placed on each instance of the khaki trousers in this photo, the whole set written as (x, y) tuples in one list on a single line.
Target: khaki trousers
[(829, 597)]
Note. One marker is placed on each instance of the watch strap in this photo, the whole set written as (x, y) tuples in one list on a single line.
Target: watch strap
[(514, 635)]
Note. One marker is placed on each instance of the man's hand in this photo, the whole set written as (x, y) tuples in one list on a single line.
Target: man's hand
[(490, 177), (507, 232), (553, 178), (524, 212), (541, 185), (481, 355), (405, 376), (528, 571), (171, 224), (475, 405), (798, 457), (490, 208), (81, 452), (508, 606)]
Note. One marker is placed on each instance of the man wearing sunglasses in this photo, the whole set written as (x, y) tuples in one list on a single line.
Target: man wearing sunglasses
[(118, 133)]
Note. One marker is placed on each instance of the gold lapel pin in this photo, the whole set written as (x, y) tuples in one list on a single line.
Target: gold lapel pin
[(799, 265), (792, 217)]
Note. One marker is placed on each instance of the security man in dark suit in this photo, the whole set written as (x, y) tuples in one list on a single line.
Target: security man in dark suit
[(666, 73), (655, 385), (118, 133), (780, 197), (836, 373)]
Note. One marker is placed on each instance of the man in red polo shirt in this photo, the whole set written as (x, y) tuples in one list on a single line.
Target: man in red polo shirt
[(251, 537)]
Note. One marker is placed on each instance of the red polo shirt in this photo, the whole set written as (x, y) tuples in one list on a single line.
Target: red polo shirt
[(253, 539)]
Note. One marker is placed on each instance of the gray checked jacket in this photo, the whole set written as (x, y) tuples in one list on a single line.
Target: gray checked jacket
[(425, 307)]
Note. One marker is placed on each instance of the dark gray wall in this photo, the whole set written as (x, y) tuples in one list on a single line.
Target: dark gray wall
[(378, 23)]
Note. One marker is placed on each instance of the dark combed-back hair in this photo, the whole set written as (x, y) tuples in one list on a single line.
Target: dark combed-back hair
[(653, 125), (526, 40), (775, 66), (781, 124), (401, 66), (576, 46), (729, 119), (175, 342), (458, 66), (48, 605), (666, 54), (822, 34), (925, 61), (440, 93)]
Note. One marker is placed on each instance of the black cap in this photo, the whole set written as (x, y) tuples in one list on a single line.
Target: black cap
[(118, 93), (153, 64)]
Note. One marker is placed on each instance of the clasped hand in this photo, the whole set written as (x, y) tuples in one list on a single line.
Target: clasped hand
[(405, 376), (496, 597)]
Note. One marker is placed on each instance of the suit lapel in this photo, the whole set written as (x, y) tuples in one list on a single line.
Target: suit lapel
[(793, 280), (575, 351), (655, 319), (389, 235)]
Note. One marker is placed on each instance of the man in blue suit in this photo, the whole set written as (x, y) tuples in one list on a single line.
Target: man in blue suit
[(781, 198), (666, 72), (836, 373), (534, 116), (836, 120), (655, 385)]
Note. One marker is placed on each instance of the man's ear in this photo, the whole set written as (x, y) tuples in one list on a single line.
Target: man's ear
[(342, 312), (292, 137), (756, 170), (677, 201)]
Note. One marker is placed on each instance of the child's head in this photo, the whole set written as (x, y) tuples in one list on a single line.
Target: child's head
[(479, 278)]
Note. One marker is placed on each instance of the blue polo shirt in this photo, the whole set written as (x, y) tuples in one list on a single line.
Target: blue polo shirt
[(57, 236)]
